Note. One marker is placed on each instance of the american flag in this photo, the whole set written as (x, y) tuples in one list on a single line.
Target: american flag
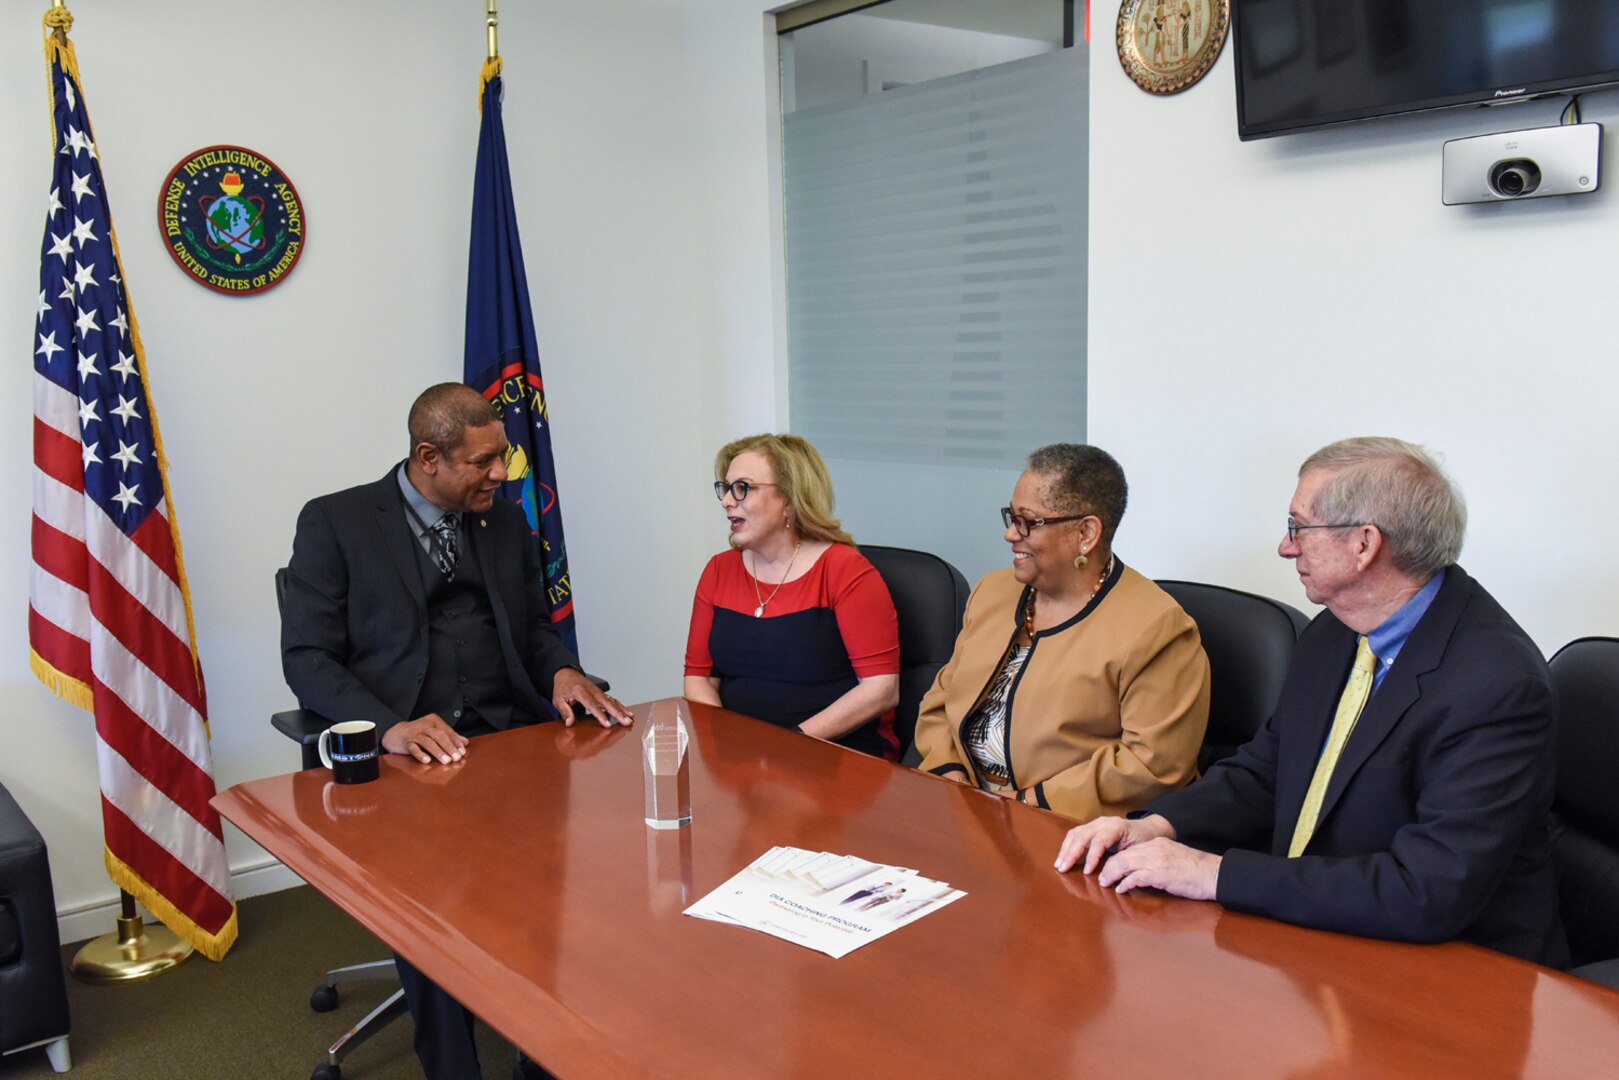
[(109, 621)]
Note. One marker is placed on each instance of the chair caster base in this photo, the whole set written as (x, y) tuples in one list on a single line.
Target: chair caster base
[(323, 1000)]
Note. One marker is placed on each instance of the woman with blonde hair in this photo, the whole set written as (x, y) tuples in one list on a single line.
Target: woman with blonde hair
[(792, 625)]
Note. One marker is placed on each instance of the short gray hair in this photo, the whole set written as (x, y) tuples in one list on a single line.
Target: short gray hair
[(1400, 488), (1084, 480)]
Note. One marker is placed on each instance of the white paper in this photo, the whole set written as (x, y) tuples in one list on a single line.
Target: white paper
[(830, 903)]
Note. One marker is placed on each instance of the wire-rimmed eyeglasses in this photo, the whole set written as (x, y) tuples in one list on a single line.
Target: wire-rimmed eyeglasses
[(1294, 528)]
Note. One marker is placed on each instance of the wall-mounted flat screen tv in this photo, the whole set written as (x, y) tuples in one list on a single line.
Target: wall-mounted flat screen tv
[(1308, 63)]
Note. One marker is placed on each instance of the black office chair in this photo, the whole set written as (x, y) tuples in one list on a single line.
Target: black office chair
[(1249, 640), (32, 986), (1585, 831), (303, 726), (930, 596)]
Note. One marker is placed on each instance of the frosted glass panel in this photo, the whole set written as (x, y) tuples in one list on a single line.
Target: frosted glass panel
[(936, 260)]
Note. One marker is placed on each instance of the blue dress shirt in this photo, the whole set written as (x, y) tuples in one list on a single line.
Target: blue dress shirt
[(1390, 637)]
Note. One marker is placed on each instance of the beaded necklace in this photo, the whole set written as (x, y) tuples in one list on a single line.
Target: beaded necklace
[(1028, 608)]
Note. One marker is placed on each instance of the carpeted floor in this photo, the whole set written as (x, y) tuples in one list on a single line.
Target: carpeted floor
[(247, 1017)]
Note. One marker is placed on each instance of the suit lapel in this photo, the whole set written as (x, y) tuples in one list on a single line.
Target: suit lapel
[(1401, 689), (1341, 654), (395, 531), (489, 565), (492, 558), (1306, 730)]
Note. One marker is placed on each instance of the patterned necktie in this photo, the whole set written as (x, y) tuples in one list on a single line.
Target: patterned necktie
[(1350, 705), (444, 551)]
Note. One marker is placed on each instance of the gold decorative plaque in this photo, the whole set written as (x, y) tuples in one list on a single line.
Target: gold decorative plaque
[(1168, 45)]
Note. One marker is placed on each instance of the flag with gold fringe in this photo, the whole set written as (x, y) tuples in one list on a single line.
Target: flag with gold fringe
[(503, 356), (109, 621)]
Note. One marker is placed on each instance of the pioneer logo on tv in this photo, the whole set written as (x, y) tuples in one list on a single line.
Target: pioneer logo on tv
[(1511, 93)]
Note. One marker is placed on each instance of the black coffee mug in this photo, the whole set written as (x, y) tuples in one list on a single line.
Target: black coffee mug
[(353, 752)]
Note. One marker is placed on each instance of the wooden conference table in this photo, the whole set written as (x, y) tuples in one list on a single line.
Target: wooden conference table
[(525, 882)]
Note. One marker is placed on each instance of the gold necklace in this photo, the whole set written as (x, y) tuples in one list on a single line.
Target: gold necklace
[(1028, 609), (759, 612)]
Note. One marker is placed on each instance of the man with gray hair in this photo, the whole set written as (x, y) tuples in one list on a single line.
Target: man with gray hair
[(1402, 787)]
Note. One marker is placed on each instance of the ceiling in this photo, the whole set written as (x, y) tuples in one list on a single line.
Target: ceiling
[(1040, 20)]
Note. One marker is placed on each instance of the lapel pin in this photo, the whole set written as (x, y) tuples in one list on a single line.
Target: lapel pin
[(483, 523)]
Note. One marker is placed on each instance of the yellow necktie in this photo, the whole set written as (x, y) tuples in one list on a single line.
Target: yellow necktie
[(1350, 705)]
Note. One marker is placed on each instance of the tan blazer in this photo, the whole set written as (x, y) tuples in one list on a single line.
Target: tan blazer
[(1109, 711)]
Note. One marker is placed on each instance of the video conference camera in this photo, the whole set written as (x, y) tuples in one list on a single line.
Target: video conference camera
[(1529, 164)]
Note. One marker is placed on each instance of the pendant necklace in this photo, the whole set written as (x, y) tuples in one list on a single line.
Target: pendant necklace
[(759, 612)]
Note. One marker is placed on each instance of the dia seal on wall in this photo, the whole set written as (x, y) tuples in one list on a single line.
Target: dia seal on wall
[(1168, 45), (232, 220)]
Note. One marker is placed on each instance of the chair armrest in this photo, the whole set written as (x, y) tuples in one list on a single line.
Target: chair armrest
[(303, 727)]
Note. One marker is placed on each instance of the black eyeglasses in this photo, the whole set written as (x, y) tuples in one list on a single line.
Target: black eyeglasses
[(738, 488), (1294, 528), (1024, 524)]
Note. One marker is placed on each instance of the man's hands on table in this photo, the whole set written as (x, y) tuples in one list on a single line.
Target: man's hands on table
[(427, 739), (1140, 853), (570, 686)]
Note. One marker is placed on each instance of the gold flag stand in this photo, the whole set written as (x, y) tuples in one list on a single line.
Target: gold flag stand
[(132, 952)]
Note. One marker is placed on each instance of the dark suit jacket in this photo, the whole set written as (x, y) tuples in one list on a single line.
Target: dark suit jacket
[(354, 634), (1435, 823)]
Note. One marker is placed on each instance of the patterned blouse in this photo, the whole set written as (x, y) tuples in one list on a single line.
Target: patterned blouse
[(984, 733)]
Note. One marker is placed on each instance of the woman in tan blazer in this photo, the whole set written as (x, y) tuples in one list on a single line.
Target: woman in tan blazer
[(1076, 684)]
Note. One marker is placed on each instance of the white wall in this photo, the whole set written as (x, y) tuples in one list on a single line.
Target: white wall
[(1251, 302), (267, 401)]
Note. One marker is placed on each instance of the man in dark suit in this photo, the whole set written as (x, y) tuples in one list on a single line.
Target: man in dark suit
[(1402, 787), (417, 603)]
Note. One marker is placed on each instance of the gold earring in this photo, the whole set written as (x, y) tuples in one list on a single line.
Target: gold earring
[(1080, 560)]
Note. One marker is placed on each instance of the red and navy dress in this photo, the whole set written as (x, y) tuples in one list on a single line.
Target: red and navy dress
[(819, 635)]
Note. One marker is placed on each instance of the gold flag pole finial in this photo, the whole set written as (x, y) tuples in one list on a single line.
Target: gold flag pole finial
[(491, 66), (60, 21)]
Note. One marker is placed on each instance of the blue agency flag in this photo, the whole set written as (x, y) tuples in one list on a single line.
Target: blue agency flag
[(503, 358)]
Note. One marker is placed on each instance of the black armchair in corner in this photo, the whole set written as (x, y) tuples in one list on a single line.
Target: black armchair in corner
[(33, 988)]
